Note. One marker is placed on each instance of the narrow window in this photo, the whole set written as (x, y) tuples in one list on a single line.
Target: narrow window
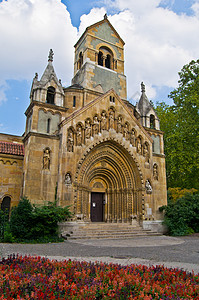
[(48, 125), (100, 58), (108, 61), (152, 121), (110, 98), (74, 101), (50, 98), (80, 60), (113, 99)]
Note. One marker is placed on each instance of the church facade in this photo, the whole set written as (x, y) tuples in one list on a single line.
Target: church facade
[(86, 145)]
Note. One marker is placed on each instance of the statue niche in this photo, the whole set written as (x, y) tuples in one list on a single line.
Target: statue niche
[(126, 131), (155, 172), (139, 146), (119, 124), (146, 152), (87, 129), (95, 125), (46, 159), (79, 136), (70, 141), (132, 138), (111, 120), (103, 121)]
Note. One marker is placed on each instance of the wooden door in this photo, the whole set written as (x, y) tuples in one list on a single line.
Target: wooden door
[(97, 207)]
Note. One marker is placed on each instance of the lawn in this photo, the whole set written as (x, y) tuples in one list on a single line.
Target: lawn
[(40, 278)]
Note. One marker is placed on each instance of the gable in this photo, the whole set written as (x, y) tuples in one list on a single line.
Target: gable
[(108, 111)]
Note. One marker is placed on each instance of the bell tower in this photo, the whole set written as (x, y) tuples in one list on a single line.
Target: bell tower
[(99, 59)]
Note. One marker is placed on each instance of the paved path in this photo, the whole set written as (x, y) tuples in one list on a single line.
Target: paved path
[(181, 252)]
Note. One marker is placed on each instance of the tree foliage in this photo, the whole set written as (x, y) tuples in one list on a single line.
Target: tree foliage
[(180, 122), (182, 215), (38, 223)]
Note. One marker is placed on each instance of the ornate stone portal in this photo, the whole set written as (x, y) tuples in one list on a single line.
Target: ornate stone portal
[(114, 172)]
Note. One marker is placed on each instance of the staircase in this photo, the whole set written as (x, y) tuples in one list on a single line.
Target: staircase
[(107, 231)]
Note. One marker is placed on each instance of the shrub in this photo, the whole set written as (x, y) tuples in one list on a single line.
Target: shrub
[(21, 219), (34, 223), (182, 216)]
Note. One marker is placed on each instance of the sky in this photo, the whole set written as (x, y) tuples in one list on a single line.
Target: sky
[(161, 36)]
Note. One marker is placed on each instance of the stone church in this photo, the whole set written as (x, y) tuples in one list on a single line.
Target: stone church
[(86, 145)]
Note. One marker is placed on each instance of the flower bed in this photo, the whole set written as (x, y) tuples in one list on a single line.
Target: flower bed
[(39, 278)]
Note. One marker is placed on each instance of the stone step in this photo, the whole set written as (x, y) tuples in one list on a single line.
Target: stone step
[(112, 236), (106, 231)]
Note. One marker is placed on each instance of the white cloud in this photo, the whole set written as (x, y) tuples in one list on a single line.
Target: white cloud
[(158, 41), (28, 29)]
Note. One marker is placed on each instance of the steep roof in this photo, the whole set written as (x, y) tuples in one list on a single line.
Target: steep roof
[(105, 20), (11, 148)]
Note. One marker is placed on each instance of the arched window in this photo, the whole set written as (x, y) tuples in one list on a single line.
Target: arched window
[(108, 61), (5, 205), (74, 101), (48, 125), (100, 58), (50, 98), (152, 121), (105, 58)]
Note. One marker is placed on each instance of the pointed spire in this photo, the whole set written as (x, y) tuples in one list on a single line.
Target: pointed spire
[(50, 56), (105, 16)]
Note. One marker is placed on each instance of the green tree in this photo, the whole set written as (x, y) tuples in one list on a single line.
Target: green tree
[(180, 122)]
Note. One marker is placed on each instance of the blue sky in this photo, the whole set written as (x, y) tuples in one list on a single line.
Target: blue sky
[(161, 36)]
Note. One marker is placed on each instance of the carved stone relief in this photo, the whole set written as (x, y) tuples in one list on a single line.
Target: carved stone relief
[(46, 159), (148, 187), (87, 129), (155, 171), (70, 141), (79, 136), (95, 125)]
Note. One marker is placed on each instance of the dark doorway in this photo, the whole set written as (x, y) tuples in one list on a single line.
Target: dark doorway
[(97, 207), (5, 205)]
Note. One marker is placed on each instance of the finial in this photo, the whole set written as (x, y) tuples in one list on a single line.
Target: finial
[(143, 87), (60, 81), (105, 16), (50, 56), (36, 76)]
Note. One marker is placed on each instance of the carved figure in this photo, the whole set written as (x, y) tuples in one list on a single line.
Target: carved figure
[(111, 119), (132, 138), (119, 125), (139, 147), (88, 130), (79, 136), (148, 187), (155, 171), (103, 121), (46, 159), (70, 142), (68, 180), (146, 152), (95, 125), (126, 132)]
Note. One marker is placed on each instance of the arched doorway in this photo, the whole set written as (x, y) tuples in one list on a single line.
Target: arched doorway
[(109, 175), (5, 204)]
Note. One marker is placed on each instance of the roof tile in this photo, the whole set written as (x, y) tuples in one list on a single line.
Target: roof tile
[(11, 148)]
